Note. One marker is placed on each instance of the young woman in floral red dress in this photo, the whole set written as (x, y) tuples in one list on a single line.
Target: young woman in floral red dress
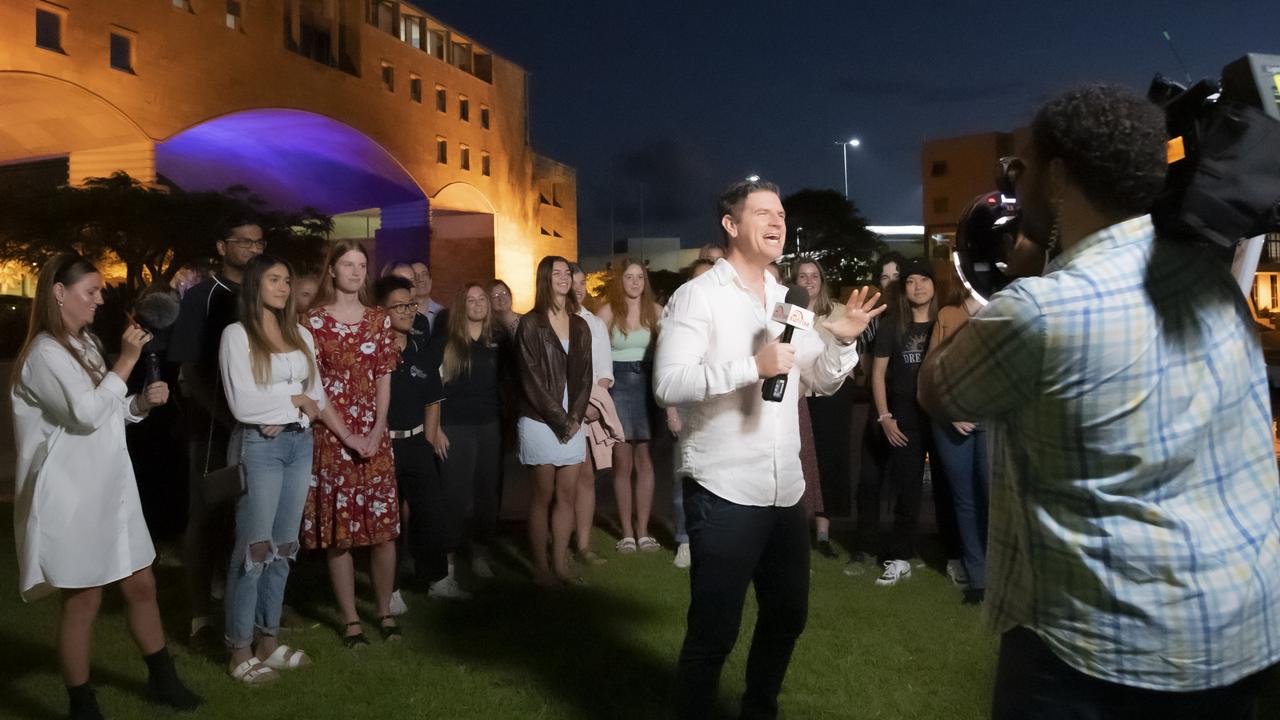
[(352, 502)]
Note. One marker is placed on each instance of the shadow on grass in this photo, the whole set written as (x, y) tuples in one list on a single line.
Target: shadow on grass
[(22, 658)]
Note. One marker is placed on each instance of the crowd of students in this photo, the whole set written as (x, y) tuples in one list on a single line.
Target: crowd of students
[(361, 414)]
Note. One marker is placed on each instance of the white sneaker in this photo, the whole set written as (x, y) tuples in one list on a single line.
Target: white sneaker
[(955, 571), (683, 560), (894, 570), (447, 589), (480, 568), (398, 607)]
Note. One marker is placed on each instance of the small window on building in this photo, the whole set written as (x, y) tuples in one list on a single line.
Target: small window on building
[(122, 52), (437, 39), (939, 168), (442, 151), (465, 157), (415, 88), (182, 4), (941, 205), (235, 14), (388, 77), (442, 99), (543, 231), (486, 168), (48, 30), (464, 109), (484, 117)]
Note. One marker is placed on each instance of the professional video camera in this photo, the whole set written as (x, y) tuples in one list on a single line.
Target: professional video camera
[(1223, 185)]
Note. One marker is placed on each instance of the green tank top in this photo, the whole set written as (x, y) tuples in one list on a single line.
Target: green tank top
[(630, 347)]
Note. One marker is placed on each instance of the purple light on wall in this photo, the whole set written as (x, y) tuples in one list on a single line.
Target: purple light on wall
[(289, 158)]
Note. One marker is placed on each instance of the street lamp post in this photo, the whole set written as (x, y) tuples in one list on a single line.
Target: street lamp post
[(844, 147)]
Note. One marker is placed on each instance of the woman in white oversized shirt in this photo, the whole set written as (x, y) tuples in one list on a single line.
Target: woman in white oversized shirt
[(268, 364), (77, 516)]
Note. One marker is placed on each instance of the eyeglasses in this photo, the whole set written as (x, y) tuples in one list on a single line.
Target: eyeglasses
[(240, 242), (404, 308), (1008, 170), (500, 294)]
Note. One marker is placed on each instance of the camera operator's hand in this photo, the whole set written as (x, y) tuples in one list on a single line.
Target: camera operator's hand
[(964, 428), (891, 431), (775, 358), (153, 395)]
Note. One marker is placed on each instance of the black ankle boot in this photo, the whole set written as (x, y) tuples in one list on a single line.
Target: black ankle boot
[(163, 685), (84, 704)]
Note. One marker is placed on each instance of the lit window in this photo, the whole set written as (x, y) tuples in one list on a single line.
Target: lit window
[(442, 99), (442, 151), (235, 14), (465, 157), (484, 117), (388, 77), (48, 30), (415, 88), (464, 109), (121, 52), (485, 168)]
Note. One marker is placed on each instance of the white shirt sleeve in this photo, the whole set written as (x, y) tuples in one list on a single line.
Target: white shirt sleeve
[(824, 363), (681, 374), (250, 403), (64, 390), (601, 352)]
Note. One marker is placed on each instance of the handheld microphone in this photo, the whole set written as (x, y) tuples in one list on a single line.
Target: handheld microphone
[(793, 313), (156, 313)]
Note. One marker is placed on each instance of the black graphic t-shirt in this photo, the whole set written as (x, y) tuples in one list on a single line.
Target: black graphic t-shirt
[(905, 351)]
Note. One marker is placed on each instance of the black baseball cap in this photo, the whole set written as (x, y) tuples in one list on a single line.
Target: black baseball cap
[(916, 266)]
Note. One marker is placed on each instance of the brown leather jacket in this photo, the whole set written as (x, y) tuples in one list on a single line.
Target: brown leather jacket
[(545, 367)]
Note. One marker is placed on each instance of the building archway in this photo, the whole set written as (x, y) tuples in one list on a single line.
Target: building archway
[(462, 238)]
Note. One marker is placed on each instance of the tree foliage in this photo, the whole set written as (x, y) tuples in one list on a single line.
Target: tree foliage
[(155, 231), (832, 231)]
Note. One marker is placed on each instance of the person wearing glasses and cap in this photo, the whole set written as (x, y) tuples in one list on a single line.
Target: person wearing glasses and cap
[(206, 310)]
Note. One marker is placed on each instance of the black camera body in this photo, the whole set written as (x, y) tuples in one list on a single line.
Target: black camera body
[(1224, 173)]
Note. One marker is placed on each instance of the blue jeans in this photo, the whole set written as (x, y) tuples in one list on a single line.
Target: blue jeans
[(964, 460), (277, 475)]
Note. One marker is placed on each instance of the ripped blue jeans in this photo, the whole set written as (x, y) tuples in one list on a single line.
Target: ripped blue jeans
[(268, 517)]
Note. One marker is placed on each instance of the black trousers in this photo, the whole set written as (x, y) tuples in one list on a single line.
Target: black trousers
[(1034, 684), (734, 546), (903, 470), (473, 478), (832, 419), (419, 484)]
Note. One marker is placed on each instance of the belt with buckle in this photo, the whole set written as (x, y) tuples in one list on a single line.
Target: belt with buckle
[(402, 434)]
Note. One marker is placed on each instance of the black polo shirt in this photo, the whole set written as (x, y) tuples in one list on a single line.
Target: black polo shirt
[(415, 384), (475, 398)]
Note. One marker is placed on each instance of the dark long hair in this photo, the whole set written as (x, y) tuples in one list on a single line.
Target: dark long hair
[(250, 312), (46, 317), (545, 299), (901, 307), (457, 348)]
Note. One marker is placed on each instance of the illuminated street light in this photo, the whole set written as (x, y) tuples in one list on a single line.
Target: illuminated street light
[(844, 149)]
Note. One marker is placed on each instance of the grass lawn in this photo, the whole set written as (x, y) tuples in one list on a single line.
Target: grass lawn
[(602, 651)]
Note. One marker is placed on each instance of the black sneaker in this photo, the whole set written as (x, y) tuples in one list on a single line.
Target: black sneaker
[(827, 550), (974, 597)]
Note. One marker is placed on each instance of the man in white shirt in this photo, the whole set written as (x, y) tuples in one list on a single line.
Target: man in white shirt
[(739, 454)]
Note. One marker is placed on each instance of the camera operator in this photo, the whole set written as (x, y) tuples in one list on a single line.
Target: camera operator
[(1134, 548)]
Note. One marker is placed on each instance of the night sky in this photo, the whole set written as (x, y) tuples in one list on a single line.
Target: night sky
[(674, 100)]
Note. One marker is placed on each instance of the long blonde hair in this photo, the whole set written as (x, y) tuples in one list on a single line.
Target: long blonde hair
[(618, 300), (327, 293), (46, 317), (457, 348), (250, 310)]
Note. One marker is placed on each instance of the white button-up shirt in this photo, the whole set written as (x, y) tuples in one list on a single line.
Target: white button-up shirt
[(738, 446), (601, 355)]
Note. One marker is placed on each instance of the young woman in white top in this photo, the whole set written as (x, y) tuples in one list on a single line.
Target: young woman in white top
[(77, 515), (268, 365)]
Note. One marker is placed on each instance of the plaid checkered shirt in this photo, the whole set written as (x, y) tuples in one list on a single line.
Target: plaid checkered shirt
[(1135, 510)]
